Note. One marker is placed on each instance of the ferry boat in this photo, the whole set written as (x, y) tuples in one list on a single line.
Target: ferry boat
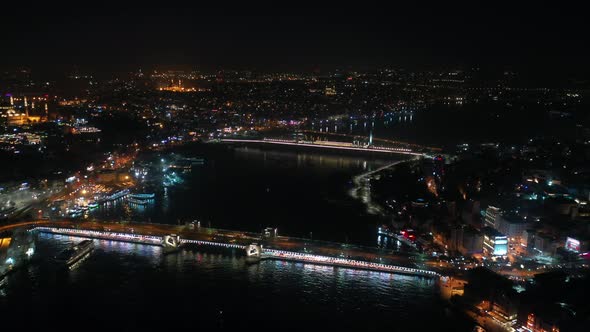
[(138, 201), (142, 196), (76, 253), (114, 196), (186, 164), (74, 213)]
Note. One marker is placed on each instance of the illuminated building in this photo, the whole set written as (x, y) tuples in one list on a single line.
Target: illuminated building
[(494, 242), (330, 91), (537, 324), (16, 250), (504, 308), (177, 88), (21, 138), (492, 215), (12, 118), (71, 102), (577, 245)]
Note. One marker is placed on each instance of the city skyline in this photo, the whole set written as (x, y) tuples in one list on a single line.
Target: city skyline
[(416, 170)]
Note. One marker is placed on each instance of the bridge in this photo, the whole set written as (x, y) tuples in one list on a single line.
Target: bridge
[(343, 262), (331, 145), (376, 139), (166, 236)]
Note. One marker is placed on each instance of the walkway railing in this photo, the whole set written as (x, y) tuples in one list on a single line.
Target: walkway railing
[(124, 237), (335, 261), (215, 244)]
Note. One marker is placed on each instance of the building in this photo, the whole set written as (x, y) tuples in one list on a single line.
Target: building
[(562, 206), (504, 308), (528, 239), (512, 226), (471, 213), (491, 216), (545, 245), (577, 245), (472, 242), (12, 118), (540, 324), (455, 238), (494, 243)]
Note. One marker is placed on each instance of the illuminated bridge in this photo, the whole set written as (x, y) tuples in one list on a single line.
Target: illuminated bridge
[(331, 145), (343, 262), (264, 254)]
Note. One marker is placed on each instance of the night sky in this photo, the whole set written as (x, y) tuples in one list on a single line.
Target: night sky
[(308, 39)]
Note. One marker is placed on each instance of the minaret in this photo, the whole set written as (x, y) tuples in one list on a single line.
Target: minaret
[(26, 107), (11, 101)]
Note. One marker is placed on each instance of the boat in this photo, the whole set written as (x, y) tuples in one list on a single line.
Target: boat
[(114, 196), (76, 253), (186, 164), (138, 201), (74, 213), (142, 196)]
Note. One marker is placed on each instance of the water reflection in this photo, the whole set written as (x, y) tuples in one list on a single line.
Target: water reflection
[(142, 281)]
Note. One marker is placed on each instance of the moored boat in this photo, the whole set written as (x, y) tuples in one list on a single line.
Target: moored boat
[(76, 253)]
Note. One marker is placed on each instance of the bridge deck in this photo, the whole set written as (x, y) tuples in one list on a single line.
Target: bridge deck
[(284, 248), (325, 146)]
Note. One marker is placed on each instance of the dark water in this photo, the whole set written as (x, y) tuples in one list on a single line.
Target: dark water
[(446, 126), (299, 192), (129, 286)]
